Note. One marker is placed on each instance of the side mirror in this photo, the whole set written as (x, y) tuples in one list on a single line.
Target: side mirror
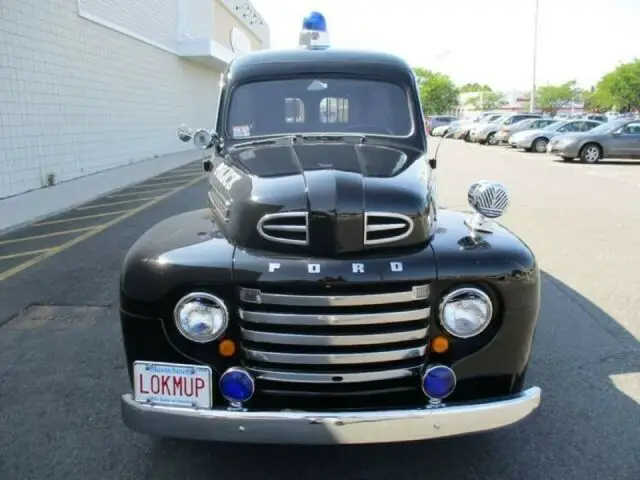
[(207, 166), (184, 133), (615, 133), (433, 163)]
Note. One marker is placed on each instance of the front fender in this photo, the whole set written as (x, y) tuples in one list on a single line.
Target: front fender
[(184, 250), (506, 267)]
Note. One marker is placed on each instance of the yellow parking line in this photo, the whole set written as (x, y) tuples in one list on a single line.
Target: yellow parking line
[(73, 219), (175, 175), (45, 235), (170, 182), (23, 254), (118, 195), (46, 254), (113, 204)]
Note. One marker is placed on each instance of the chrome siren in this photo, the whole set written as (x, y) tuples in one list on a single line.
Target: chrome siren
[(490, 200)]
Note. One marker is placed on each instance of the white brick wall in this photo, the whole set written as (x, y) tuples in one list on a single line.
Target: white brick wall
[(77, 97)]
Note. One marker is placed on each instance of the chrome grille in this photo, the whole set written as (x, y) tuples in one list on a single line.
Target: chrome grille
[(291, 228), (381, 227), (332, 340)]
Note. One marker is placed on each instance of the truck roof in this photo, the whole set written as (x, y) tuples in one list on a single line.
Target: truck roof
[(280, 62)]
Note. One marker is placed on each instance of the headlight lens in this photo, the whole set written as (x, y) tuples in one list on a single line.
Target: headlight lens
[(201, 317), (466, 312)]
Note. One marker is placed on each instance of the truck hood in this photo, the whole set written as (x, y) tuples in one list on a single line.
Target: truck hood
[(336, 186)]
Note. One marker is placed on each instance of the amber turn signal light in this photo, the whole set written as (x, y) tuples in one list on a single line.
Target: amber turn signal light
[(226, 348), (439, 344)]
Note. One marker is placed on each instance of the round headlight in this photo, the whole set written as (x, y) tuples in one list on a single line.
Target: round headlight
[(466, 312), (201, 317)]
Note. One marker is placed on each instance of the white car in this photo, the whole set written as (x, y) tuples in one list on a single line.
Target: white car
[(440, 130)]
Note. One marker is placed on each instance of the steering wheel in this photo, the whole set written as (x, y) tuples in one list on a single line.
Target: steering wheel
[(367, 128)]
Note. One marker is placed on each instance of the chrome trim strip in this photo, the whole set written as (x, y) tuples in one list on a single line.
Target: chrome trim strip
[(334, 358), (328, 428), (223, 208), (333, 340), (261, 227), (416, 293), (318, 319), (408, 224), (321, 378)]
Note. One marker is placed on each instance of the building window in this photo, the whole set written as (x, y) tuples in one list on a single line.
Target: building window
[(334, 110), (294, 110)]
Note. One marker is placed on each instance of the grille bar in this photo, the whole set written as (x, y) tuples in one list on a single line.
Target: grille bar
[(290, 228), (386, 227), (334, 358), (316, 319), (251, 295), (333, 340), (319, 378)]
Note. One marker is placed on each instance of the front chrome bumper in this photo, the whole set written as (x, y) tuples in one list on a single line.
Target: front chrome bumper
[(309, 428)]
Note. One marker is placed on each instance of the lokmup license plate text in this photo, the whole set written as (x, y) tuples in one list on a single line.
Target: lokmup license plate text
[(172, 384)]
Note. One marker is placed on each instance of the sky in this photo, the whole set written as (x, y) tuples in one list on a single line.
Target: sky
[(484, 41)]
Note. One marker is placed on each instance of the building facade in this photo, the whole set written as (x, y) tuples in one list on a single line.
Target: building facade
[(90, 85)]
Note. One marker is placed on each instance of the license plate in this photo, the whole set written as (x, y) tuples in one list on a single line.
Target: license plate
[(172, 384)]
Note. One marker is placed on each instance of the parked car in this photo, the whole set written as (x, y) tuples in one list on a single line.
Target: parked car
[(537, 140), (441, 131), (438, 120), (458, 128), (467, 134), (596, 117), (615, 139), (505, 131), (486, 134), (276, 314)]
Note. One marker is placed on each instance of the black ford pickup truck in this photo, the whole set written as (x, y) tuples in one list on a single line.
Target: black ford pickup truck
[(322, 296)]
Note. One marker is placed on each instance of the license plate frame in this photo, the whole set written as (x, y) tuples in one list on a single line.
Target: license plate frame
[(193, 379)]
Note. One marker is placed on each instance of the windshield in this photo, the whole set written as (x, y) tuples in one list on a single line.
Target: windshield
[(327, 105), (607, 127), (495, 118), (555, 125)]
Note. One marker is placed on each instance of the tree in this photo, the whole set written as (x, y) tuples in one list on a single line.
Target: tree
[(550, 98), (619, 89), (474, 87), (486, 100), (438, 93)]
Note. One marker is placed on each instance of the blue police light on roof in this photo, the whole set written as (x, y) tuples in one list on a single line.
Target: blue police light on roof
[(314, 35), (314, 21)]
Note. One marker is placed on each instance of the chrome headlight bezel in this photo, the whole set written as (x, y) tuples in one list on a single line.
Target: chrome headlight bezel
[(198, 297), (461, 294)]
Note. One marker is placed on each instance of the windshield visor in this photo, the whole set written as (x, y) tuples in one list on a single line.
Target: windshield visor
[(313, 105)]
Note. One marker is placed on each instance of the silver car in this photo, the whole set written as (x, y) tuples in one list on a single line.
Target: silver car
[(615, 139), (487, 133), (506, 131), (537, 140)]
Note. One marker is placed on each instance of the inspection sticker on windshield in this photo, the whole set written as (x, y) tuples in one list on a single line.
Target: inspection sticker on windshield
[(172, 384), (240, 131)]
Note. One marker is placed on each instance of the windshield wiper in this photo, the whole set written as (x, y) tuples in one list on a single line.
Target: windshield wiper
[(336, 137), (294, 138), (267, 141)]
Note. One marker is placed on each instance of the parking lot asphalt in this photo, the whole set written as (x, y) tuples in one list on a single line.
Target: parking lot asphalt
[(40, 240), (62, 366)]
